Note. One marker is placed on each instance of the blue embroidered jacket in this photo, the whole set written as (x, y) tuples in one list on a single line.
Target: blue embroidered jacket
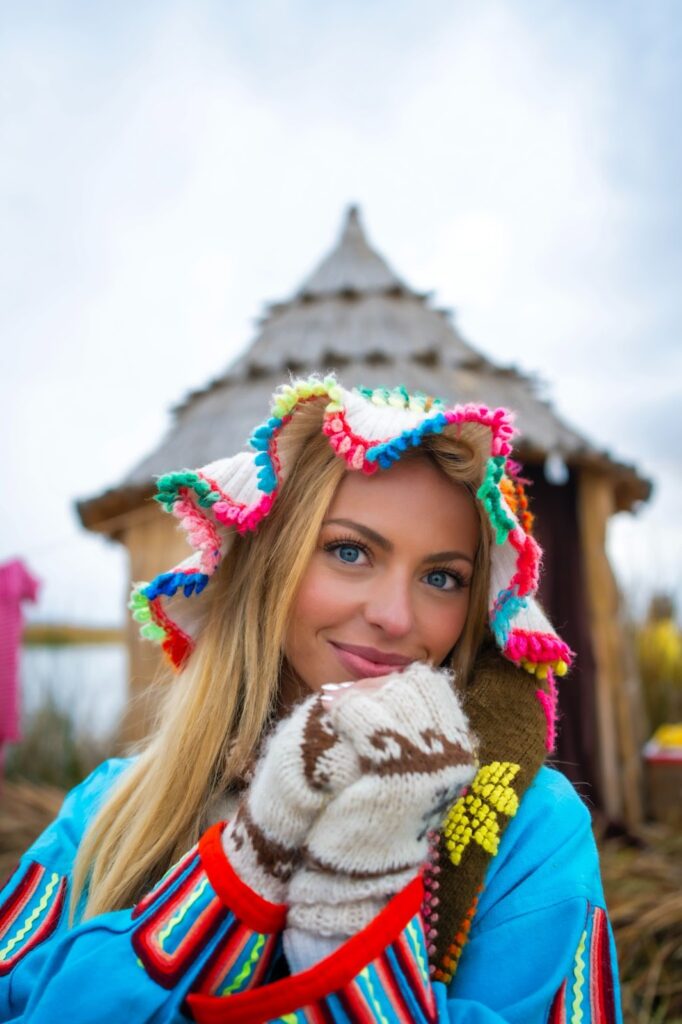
[(203, 946)]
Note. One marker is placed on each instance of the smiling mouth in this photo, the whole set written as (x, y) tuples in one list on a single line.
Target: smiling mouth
[(372, 654), (364, 661)]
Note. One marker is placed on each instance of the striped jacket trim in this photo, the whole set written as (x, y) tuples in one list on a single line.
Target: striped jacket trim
[(30, 913)]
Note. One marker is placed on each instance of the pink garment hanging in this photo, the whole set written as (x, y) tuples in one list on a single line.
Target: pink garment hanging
[(16, 585)]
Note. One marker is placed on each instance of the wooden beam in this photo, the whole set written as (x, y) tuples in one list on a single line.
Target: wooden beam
[(619, 752)]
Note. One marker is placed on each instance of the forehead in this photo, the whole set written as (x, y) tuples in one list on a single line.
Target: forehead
[(414, 496)]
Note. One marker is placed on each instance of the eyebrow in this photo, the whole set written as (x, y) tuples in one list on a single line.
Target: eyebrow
[(382, 542)]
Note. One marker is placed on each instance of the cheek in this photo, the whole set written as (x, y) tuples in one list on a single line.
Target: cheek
[(322, 603), (443, 626), (318, 601)]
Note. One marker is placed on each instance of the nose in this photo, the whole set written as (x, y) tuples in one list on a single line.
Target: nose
[(389, 605)]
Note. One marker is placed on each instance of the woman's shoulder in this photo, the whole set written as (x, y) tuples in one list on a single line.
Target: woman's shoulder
[(101, 777), (56, 846), (552, 793), (550, 814), (547, 853), (88, 793)]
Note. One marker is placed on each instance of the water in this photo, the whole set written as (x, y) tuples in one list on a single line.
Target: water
[(87, 681)]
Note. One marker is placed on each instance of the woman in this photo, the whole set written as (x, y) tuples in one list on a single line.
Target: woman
[(366, 695)]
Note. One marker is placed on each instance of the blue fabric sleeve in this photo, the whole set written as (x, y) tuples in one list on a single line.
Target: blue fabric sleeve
[(34, 900), (56, 846), (201, 929), (542, 901)]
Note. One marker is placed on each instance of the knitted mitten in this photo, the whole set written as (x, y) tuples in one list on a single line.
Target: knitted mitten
[(415, 753), (302, 765)]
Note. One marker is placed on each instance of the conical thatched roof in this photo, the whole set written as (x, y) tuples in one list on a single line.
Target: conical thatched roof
[(352, 266), (353, 314)]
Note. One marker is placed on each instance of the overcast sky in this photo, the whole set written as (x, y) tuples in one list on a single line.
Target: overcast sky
[(166, 168)]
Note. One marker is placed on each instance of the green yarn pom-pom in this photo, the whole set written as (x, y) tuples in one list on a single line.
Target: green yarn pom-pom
[(489, 495), (153, 632)]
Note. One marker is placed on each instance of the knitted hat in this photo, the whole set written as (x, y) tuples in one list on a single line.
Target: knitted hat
[(369, 429)]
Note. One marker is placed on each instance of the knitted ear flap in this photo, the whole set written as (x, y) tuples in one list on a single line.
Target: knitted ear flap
[(199, 500), (369, 429), (226, 496)]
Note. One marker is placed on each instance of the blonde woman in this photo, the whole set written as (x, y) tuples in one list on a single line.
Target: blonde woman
[(343, 813)]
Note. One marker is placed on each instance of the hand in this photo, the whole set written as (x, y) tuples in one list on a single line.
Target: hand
[(332, 692), (304, 763), (415, 753)]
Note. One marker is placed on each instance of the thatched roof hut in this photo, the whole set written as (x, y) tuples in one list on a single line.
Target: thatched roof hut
[(355, 315)]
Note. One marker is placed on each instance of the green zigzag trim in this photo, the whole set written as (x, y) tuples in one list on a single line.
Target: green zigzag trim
[(417, 950), (247, 969), (579, 975), (182, 912), (365, 975)]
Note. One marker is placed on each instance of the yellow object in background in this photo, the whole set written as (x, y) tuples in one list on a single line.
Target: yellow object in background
[(668, 737)]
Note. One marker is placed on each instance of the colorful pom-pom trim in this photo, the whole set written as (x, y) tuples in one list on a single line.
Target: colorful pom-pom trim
[(286, 400), (513, 486), (158, 626), (490, 496), (507, 606), (174, 495), (538, 652), (527, 576)]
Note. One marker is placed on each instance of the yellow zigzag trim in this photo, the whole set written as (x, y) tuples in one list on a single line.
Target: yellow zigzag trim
[(247, 968), (474, 816), (32, 918), (364, 974), (177, 918), (579, 975)]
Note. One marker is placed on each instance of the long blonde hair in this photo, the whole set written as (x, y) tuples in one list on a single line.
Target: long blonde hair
[(214, 714)]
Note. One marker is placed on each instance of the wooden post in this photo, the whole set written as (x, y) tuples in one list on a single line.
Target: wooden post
[(619, 752)]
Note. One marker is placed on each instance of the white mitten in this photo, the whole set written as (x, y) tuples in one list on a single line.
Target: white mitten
[(302, 765), (415, 754)]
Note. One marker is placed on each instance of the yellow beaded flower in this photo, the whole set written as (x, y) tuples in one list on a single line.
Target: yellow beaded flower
[(474, 816)]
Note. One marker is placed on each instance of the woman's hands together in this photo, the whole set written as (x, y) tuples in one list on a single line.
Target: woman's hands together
[(337, 814), (414, 753)]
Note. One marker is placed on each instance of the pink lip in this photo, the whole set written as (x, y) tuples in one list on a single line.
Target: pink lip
[(367, 661)]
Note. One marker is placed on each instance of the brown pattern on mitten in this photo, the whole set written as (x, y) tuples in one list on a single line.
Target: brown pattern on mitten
[(319, 740), (302, 765), (273, 858), (398, 755)]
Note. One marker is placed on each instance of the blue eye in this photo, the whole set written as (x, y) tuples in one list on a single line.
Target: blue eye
[(348, 552), (439, 578), (443, 577)]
